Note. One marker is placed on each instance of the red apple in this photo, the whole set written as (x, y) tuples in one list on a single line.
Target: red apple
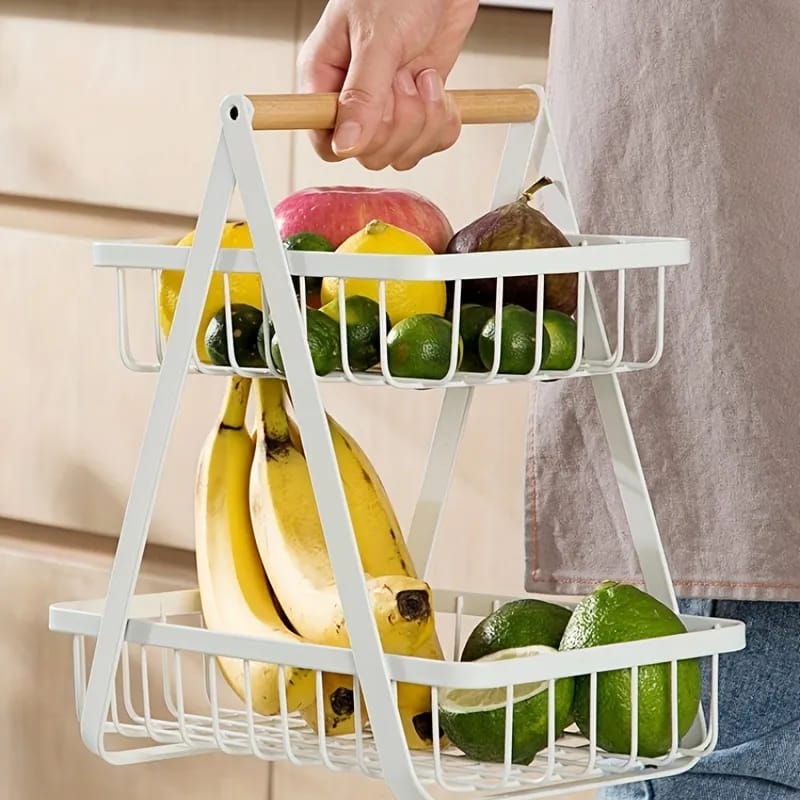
[(336, 212)]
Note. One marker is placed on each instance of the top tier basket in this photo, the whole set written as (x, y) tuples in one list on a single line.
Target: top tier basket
[(129, 711)]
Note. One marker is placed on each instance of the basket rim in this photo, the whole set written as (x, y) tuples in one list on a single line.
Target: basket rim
[(146, 626), (589, 253)]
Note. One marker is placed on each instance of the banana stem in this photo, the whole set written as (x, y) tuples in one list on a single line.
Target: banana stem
[(274, 419), (234, 405)]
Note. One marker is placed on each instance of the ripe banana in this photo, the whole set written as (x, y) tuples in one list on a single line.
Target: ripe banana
[(234, 592), (413, 702), (382, 546), (292, 545), (339, 706), (386, 552)]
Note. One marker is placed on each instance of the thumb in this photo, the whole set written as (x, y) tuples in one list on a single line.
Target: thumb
[(365, 93)]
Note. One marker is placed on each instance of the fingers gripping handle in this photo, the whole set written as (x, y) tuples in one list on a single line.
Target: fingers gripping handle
[(318, 111)]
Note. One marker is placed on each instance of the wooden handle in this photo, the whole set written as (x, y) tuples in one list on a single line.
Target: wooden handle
[(282, 112)]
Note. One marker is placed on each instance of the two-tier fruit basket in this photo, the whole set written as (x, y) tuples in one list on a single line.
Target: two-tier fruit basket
[(130, 712)]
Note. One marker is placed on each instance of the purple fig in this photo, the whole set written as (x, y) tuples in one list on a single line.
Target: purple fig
[(516, 226)]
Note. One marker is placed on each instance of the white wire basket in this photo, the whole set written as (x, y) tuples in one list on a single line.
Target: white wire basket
[(137, 657), (166, 647), (610, 256)]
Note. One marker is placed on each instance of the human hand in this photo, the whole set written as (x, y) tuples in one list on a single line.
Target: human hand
[(388, 61)]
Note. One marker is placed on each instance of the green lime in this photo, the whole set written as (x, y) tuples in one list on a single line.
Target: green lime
[(472, 319), (563, 333), (305, 240), (246, 322), (518, 345), (520, 623), (308, 241), (323, 342), (475, 719), (260, 340), (618, 612), (362, 318), (419, 347)]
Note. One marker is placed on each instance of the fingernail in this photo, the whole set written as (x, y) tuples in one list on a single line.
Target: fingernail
[(430, 86), (346, 137), (405, 83)]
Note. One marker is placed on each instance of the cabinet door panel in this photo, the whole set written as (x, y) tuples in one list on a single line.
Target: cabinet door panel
[(74, 417), (117, 103), (41, 753)]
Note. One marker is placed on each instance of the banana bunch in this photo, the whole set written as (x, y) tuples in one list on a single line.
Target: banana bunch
[(263, 566), (382, 549), (235, 594)]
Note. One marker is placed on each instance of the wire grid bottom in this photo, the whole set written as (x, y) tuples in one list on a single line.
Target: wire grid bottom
[(273, 739), (571, 763)]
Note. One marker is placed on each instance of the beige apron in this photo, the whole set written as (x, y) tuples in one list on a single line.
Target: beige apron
[(682, 117)]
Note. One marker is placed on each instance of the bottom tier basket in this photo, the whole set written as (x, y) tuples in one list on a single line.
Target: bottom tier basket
[(171, 700)]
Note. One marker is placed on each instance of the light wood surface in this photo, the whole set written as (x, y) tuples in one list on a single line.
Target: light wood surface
[(41, 753), (318, 111), (116, 103)]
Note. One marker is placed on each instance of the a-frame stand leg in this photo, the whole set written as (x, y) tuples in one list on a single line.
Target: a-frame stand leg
[(323, 468), (163, 411), (625, 459), (611, 405)]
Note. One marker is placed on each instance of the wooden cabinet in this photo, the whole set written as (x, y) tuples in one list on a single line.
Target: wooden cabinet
[(41, 753), (134, 128), (115, 104)]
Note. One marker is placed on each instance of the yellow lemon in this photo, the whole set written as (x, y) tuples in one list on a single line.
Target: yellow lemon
[(403, 298), (245, 287)]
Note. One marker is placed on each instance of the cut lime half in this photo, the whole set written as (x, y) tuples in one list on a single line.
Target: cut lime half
[(475, 719), (460, 701)]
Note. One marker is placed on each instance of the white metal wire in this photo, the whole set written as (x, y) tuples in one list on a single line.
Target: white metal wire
[(145, 357), (200, 723)]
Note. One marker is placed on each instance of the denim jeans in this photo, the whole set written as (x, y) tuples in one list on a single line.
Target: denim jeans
[(758, 754)]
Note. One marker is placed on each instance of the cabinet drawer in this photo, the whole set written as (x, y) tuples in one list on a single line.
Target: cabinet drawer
[(72, 416), (116, 103), (41, 752)]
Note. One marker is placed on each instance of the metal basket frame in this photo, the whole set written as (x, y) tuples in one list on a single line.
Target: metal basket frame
[(120, 618)]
